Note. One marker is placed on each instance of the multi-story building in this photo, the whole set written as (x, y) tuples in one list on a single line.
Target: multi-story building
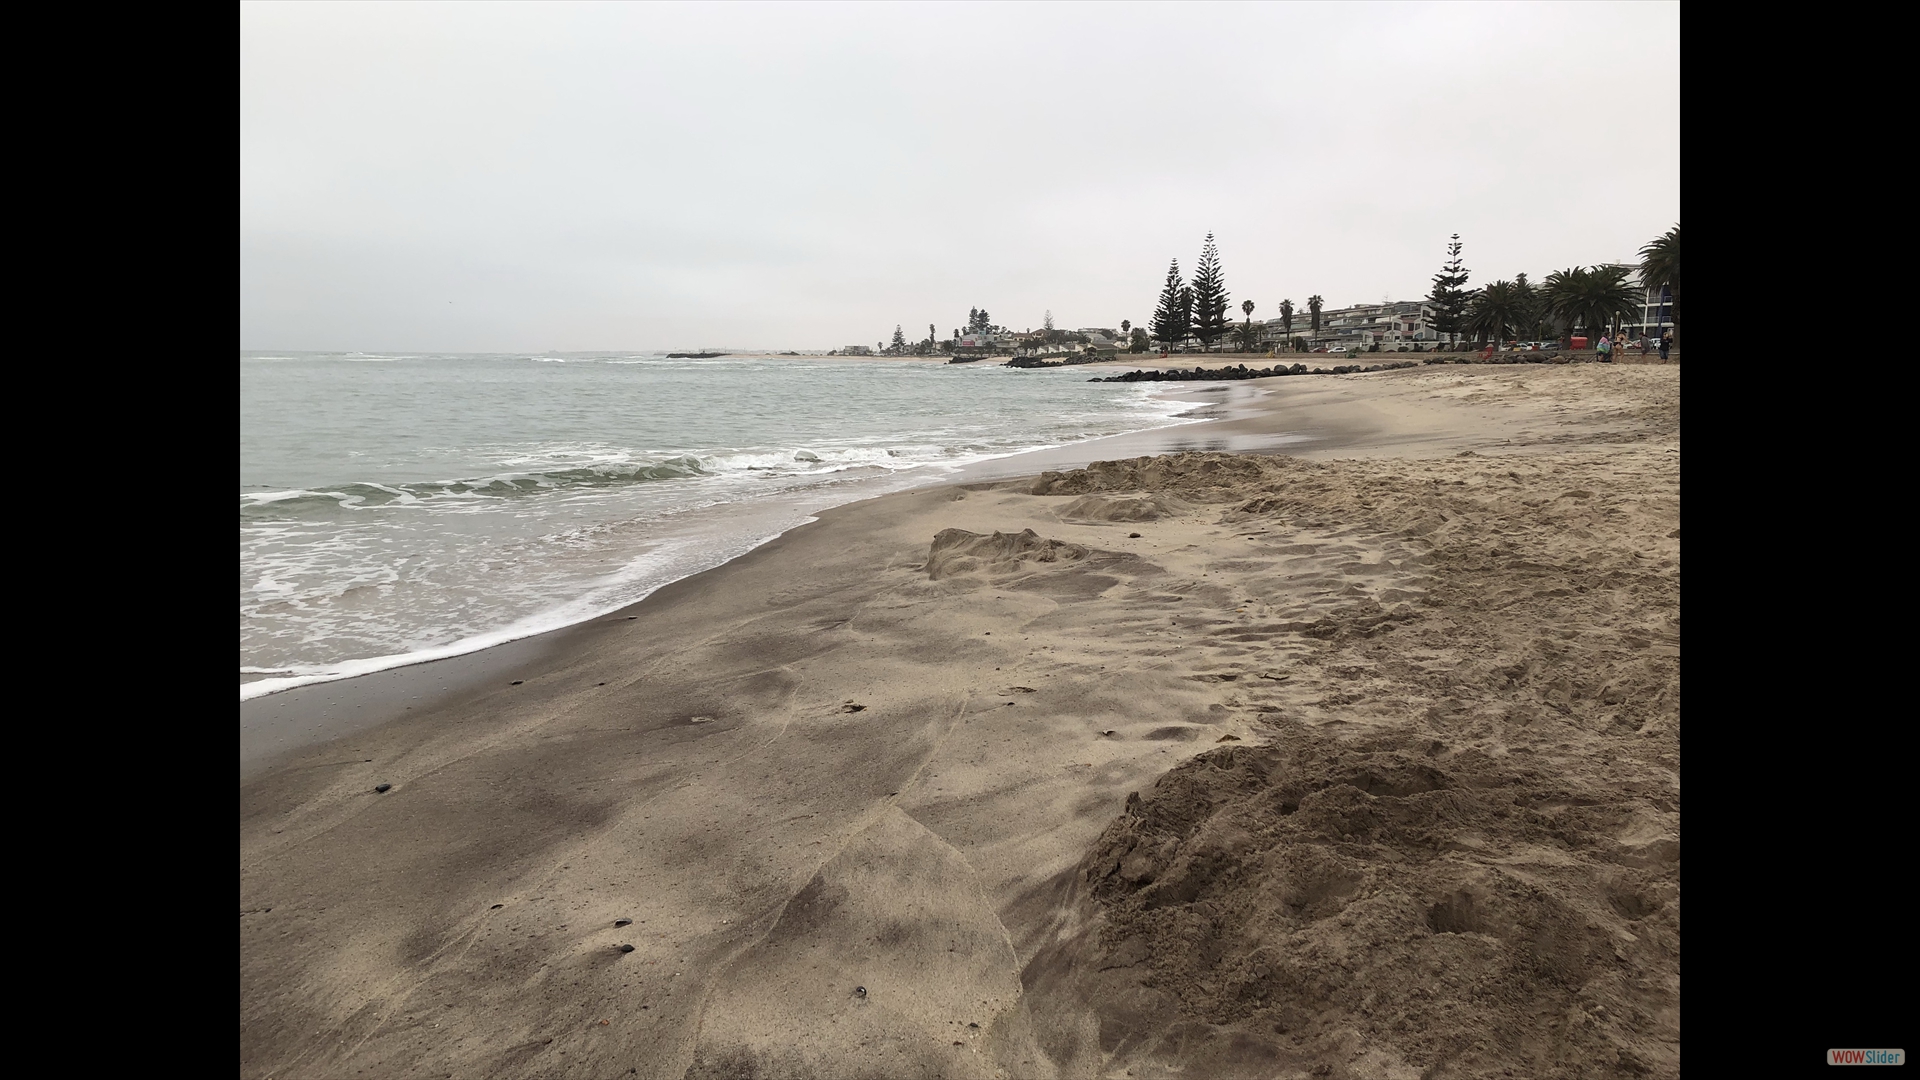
[(1656, 307), (977, 345), (1391, 325)]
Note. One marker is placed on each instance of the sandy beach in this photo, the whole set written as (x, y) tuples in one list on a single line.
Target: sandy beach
[(1356, 761)]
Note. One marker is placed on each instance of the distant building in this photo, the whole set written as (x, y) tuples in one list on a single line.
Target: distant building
[(1392, 325), (856, 350), (1656, 306), (982, 345)]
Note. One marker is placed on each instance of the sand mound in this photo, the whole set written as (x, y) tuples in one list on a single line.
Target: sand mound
[(1296, 901), (957, 551), (1102, 508), (1198, 475)]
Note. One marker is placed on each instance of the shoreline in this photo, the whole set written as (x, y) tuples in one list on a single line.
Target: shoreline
[(859, 804), (321, 708), (1141, 441), (268, 684)]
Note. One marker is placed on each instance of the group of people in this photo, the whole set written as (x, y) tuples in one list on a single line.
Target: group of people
[(1604, 347)]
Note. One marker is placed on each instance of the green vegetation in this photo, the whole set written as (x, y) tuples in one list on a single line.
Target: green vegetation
[(1660, 265), (1449, 298), (1591, 297), (1209, 297), (1173, 317)]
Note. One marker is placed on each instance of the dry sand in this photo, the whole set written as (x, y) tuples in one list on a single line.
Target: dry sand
[(1362, 762)]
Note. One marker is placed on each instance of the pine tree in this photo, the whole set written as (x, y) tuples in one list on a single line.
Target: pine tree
[(1047, 323), (1449, 299), (899, 341), (1172, 318), (973, 320), (1209, 296)]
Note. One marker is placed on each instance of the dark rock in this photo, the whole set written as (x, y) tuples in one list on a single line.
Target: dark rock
[(383, 788), (1133, 536), (1241, 371), (622, 922), (859, 991), (626, 948)]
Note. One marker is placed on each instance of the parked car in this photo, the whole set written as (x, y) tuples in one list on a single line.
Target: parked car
[(1338, 348), (1322, 348)]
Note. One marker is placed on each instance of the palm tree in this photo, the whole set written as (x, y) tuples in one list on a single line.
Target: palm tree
[(1495, 310), (1246, 334), (1313, 305), (1286, 320), (1660, 265), (1530, 315), (1590, 297)]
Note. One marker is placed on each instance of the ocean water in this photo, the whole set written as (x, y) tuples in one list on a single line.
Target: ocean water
[(397, 508)]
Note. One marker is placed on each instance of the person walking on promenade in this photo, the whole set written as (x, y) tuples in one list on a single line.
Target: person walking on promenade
[(1666, 342)]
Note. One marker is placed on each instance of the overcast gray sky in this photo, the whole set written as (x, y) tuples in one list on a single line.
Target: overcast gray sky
[(508, 177)]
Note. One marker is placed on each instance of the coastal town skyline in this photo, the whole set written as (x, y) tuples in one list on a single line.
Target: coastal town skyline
[(515, 178)]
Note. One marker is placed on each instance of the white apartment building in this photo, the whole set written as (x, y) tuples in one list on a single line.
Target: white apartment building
[(1656, 307), (1391, 325)]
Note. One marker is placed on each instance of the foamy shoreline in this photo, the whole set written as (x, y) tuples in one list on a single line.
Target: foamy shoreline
[(845, 491)]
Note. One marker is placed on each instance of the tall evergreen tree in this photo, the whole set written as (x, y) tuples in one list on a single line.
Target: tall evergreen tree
[(1449, 297), (973, 320), (1286, 321), (1172, 317), (1209, 296), (899, 341), (1314, 303)]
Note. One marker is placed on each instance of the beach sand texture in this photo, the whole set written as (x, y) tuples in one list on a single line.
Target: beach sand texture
[(1362, 762)]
